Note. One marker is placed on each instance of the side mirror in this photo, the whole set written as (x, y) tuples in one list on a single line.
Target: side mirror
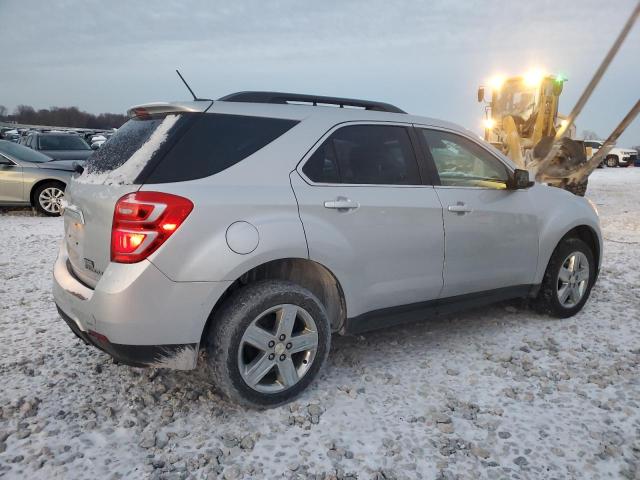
[(520, 180), (481, 94), (94, 146)]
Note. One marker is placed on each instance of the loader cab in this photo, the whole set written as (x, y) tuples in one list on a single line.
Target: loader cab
[(526, 105)]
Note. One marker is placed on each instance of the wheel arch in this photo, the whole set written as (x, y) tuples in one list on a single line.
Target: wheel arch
[(588, 236), (585, 233), (34, 187), (309, 274)]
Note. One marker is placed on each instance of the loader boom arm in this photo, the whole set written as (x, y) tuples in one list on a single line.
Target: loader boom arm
[(539, 166)]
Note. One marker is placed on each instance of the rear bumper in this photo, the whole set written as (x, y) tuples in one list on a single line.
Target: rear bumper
[(136, 314), (181, 357)]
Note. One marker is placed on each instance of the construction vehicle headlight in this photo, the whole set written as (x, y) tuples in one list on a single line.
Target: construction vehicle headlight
[(489, 123), (496, 82), (533, 77)]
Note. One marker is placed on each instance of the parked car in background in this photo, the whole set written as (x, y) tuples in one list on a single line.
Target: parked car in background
[(31, 178), (59, 145), (257, 229), (617, 157), (11, 135), (98, 140)]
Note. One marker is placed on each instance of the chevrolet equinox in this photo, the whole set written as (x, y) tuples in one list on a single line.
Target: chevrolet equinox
[(257, 226)]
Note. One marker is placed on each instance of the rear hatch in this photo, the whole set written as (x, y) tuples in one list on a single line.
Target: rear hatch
[(163, 143), (111, 172)]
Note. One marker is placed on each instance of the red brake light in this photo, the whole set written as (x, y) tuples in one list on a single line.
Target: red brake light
[(142, 221)]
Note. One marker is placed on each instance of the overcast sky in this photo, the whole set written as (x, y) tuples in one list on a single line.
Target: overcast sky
[(426, 57)]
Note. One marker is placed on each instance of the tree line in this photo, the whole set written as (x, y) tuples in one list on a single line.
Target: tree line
[(62, 117)]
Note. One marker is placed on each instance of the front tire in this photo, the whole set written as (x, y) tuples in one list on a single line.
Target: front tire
[(267, 343), (567, 282), (47, 198), (612, 161)]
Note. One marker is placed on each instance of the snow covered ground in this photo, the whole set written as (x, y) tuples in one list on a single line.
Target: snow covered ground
[(496, 392)]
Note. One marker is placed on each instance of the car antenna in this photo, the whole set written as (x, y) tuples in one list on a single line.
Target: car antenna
[(187, 85)]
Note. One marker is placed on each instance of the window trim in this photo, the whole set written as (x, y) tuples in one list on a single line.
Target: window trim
[(414, 146), (12, 162), (429, 158)]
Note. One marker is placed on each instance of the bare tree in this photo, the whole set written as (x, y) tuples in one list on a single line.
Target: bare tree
[(66, 117), (3, 111)]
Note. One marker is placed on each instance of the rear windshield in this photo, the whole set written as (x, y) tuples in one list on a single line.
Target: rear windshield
[(62, 142), (175, 148), (214, 143), (128, 139)]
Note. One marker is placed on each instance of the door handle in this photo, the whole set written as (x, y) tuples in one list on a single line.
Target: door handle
[(460, 208), (341, 204)]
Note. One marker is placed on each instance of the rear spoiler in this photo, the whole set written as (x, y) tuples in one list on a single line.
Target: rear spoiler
[(147, 109)]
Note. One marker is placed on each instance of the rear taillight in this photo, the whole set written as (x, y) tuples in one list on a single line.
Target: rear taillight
[(143, 221)]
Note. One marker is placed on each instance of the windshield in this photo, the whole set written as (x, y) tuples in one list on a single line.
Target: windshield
[(62, 142), (516, 99), (21, 153)]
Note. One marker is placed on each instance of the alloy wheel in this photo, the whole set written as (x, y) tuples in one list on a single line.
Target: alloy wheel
[(573, 279), (278, 348), (50, 198)]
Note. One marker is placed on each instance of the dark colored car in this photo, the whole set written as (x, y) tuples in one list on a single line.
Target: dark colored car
[(59, 146)]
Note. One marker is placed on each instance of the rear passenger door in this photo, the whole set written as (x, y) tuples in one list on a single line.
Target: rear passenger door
[(369, 217), (491, 232)]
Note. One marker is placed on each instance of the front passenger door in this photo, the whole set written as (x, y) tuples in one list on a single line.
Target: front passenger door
[(491, 234)]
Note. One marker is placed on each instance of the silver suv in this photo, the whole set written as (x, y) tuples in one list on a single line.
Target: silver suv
[(257, 226)]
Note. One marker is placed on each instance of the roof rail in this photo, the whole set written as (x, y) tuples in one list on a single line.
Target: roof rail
[(285, 98)]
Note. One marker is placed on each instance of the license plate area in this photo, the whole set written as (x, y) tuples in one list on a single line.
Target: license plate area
[(74, 238)]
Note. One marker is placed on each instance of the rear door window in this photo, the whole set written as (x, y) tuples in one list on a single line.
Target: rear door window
[(365, 155)]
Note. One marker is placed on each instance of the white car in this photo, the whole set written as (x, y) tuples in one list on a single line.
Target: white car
[(617, 157)]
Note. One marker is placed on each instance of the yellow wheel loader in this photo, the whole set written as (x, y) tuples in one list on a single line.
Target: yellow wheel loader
[(522, 120)]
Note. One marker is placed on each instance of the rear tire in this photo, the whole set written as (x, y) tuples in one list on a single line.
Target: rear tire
[(561, 280), (612, 161), (47, 198), (254, 358)]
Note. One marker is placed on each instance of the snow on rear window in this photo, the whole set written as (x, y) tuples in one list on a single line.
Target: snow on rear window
[(122, 158)]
